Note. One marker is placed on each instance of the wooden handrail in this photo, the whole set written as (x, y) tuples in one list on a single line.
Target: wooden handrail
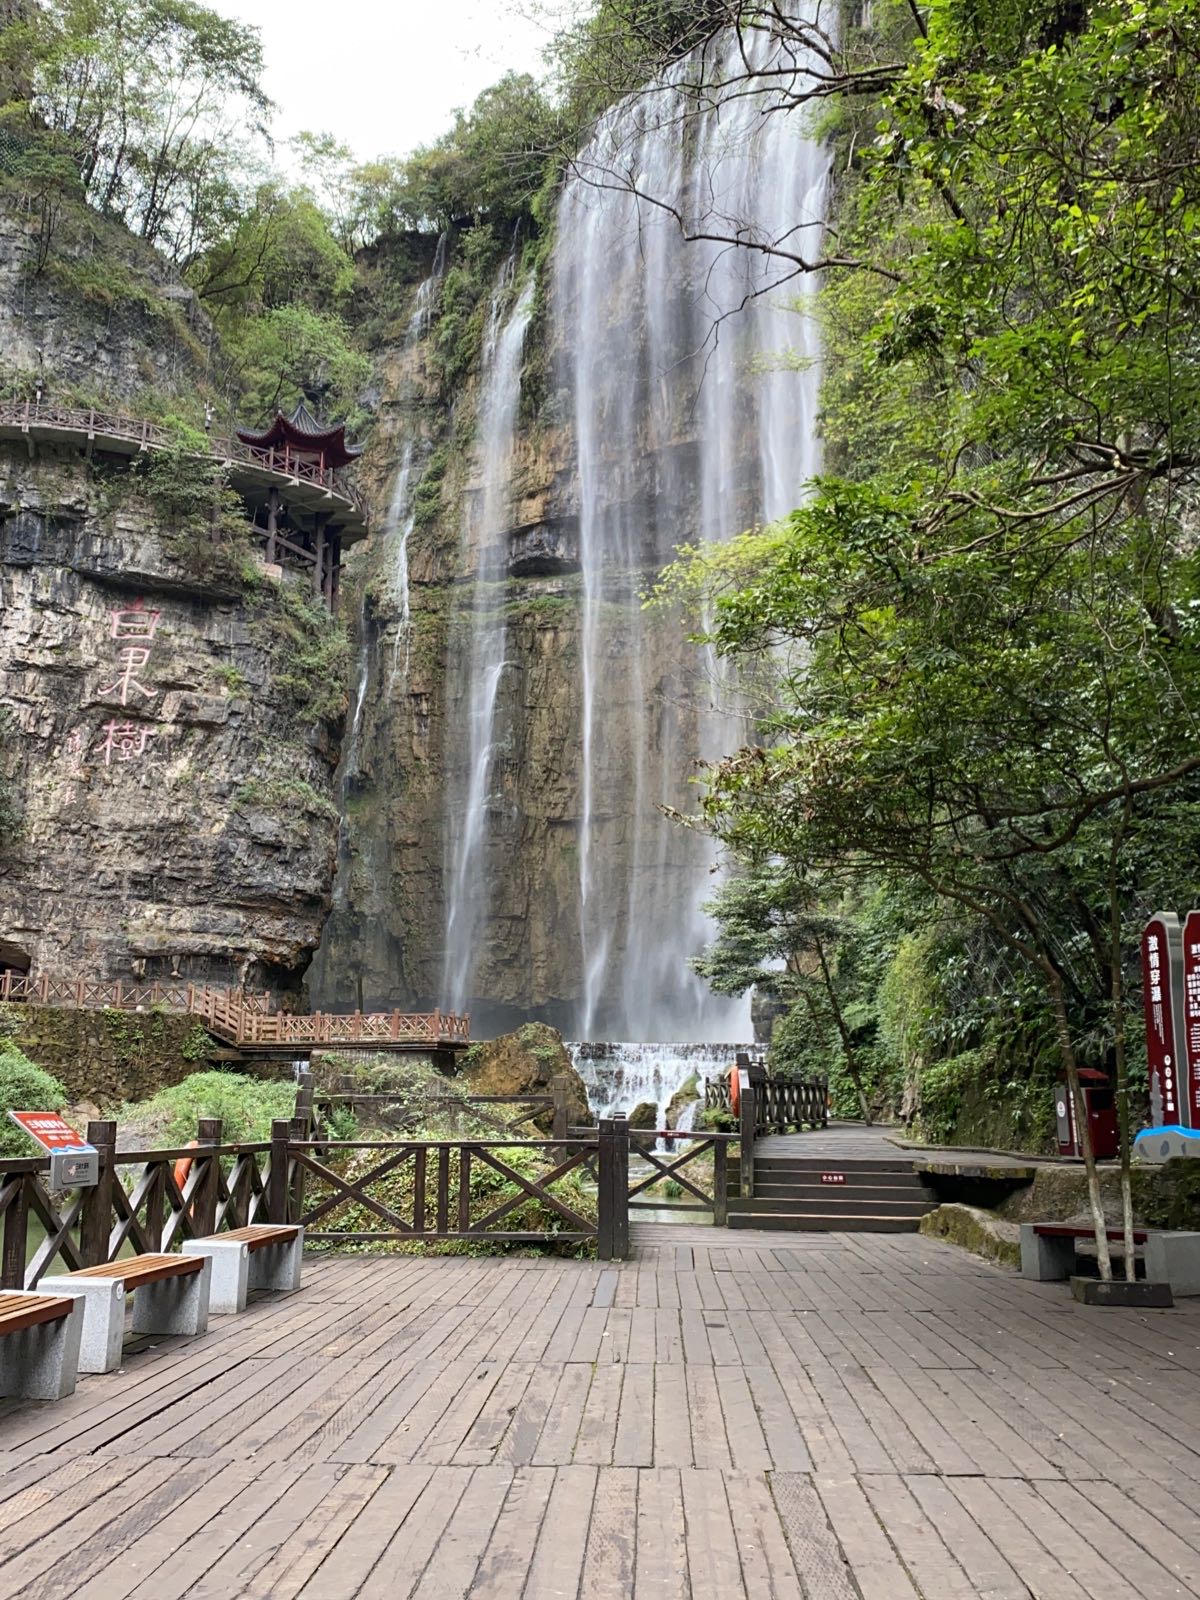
[(235, 1015), (26, 415)]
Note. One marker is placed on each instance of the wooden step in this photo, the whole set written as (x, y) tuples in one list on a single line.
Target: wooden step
[(799, 1164), (797, 1222), (845, 1205), (891, 1188)]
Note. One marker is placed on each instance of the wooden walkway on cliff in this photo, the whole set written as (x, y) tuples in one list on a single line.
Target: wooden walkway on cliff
[(309, 484), (249, 1021), (812, 1418)]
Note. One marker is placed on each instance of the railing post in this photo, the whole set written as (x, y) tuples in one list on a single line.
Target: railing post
[(720, 1183), (560, 1088), (604, 1190), (746, 1124), (277, 1177), (620, 1235), (204, 1201), (16, 1222), (299, 1134), (96, 1219)]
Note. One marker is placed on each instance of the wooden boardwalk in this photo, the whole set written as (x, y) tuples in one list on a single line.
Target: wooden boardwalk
[(823, 1417)]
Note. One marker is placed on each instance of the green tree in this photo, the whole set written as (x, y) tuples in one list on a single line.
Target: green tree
[(997, 671), (779, 931), (153, 97)]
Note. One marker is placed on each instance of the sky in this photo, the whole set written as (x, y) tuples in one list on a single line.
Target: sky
[(387, 75)]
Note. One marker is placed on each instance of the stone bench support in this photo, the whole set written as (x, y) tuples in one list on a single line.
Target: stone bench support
[(238, 1267), (1048, 1259), (168, 1306), (41, 1363)]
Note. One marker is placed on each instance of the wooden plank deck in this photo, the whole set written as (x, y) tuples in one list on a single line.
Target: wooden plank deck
[(796, 1417)]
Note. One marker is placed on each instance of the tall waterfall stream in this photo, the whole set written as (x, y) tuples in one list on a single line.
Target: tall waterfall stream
[(683, 383)]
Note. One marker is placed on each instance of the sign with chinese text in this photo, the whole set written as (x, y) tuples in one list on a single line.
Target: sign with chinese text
[(1191, 1017), (49, 1130), (1162, 998)]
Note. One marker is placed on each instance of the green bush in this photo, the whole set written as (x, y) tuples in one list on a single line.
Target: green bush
[(24, 1087), (246, 1107)]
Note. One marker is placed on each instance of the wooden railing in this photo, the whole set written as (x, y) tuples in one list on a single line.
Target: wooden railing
[(238, 1016), (502, 1112), (454, 1189), (780, 1104), (137, 1205), (27, 415), (121, 995)]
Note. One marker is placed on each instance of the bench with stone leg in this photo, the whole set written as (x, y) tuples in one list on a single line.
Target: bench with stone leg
[(1048, 1248), (170, 1296), (39, 1344), (262, 1256)]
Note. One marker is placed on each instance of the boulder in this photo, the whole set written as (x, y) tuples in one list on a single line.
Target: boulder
[(686, 1095), (526, 1062), (981, 1232)]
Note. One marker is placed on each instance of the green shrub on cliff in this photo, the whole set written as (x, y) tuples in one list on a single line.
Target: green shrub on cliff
[(246, 1107), (24, 1086)]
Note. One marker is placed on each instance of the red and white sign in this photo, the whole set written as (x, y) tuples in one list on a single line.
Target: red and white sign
[(51, 1132), (1191, 1017), (1162, 998), (833, 1177)]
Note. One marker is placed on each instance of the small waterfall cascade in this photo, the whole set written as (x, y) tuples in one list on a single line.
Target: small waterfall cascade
[(619, 1077), (467, 817), (691, 381)]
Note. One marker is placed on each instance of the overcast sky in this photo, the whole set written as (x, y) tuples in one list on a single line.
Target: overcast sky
[(386, 75)]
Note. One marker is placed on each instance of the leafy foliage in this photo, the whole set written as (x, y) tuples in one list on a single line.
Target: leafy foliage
[(987, 616), (246, 1107), (150, 97), (23, 1087)]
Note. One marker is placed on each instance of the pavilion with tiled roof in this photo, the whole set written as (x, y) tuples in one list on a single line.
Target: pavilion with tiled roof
[(308, 451)]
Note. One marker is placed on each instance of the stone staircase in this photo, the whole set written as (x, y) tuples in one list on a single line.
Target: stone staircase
[(807, 1194)]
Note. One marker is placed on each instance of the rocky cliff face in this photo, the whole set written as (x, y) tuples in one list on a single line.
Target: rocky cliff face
[(99, 317), (171, 791)]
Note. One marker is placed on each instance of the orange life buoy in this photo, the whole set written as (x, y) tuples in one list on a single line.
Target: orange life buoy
[(183, 1166), (734, 1089)]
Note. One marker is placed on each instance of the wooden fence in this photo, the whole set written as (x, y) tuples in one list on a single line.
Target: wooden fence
[(241, 1017), (780, 1104), (415, 1190), (27, 416)]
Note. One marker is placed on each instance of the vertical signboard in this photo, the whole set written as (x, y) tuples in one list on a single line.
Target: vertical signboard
[(1162, 996), (1190, 1089)]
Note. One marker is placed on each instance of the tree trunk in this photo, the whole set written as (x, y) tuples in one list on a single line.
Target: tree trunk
[(1120, 1054), (1095, 1201), (843, 1033)]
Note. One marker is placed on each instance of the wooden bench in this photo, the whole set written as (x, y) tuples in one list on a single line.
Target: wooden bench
[(262, 1256), (39, 1344), (170, 1297), (1048, 1248)]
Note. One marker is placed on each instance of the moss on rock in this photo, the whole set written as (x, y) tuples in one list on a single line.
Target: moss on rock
[(981, 1232)]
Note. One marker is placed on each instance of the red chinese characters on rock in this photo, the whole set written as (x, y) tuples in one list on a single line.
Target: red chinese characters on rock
[(125, 741), (135, 628)]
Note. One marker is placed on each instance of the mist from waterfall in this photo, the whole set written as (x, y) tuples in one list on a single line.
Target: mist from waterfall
[(692, 387), (485, 535)]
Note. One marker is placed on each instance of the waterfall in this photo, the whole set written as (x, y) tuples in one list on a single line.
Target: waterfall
[(619, 1077), (394, 533), (682, 430), (467, 815)]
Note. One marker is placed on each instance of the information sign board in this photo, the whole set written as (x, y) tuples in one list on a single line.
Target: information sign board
[(1162, 998)]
